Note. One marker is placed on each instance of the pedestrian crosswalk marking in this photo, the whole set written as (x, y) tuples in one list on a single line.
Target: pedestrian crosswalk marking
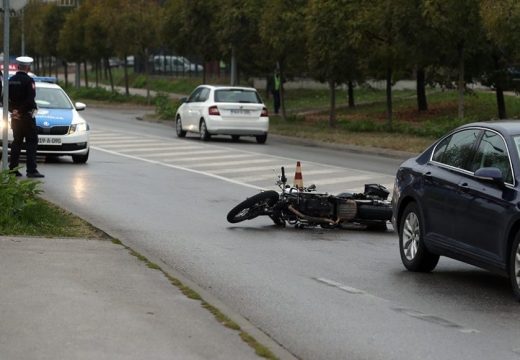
[(240, 166)]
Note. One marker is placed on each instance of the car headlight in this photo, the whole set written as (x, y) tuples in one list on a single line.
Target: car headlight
[(79, 127)]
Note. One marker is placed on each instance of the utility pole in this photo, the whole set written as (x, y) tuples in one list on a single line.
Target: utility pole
[(5, 127)]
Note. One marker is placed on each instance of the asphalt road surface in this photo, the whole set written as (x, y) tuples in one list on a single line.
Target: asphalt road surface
[(321, 294)]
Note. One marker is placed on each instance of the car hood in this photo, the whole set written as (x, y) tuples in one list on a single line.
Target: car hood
[(54, 117)]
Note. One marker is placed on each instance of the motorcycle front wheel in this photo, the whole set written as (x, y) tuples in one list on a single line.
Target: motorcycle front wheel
[(252, 207)]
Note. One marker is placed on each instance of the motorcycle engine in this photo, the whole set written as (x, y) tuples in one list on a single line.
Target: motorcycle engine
[(315, 205)]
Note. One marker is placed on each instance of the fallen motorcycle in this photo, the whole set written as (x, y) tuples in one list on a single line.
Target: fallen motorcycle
[(304, 207)]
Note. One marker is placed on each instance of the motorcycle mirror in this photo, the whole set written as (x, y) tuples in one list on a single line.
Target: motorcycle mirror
[(283, 178)]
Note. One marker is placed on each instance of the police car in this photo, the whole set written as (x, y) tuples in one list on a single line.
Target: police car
[(61, 129)]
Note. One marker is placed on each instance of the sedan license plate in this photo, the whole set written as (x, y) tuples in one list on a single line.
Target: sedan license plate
[(49, 140), (240, 111)]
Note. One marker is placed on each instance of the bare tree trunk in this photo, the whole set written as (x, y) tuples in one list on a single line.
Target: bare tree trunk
[(500, 102), (86, 73), (422, 103), (66, 73), (461, 84), (350, 92), (147, 76), (125, 64), (332, 111), (110, 78), (389, 97)]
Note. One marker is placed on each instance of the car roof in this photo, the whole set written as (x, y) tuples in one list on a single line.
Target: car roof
[(507, 126), (228, 87), (43, 84)]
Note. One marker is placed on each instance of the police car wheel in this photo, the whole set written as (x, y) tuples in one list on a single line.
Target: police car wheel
[(80, 159)]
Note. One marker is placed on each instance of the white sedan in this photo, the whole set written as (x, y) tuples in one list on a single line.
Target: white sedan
[(223, 110), (61, 130)]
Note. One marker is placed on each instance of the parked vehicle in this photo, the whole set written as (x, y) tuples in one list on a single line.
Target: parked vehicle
[(460, 198), (223, 110), (62, 131), (304, 207)]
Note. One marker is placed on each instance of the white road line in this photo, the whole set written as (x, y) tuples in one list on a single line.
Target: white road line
[(271, 176), (179, 168), (165, 147), (344, 179), (247, 169), (240, 162), (122, 142), (432, 319), (172, 156), (203, 158)]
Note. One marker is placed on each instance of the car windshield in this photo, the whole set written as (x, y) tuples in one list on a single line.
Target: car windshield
[(52, 98), (237, 96)]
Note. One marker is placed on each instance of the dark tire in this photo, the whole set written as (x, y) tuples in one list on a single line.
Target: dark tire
[(514, 267), (204, 134), (414, 255), (80, 159), (235, 138), (178, 128), (277, 220), (261, 139), (374, 212), (252, 207)]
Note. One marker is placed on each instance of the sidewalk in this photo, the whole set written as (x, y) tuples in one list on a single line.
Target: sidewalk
[(91, 299)]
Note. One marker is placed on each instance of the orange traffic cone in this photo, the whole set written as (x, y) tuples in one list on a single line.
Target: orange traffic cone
[(298, 178)]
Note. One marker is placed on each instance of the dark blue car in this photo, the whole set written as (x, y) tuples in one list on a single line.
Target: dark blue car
[(460, 198)]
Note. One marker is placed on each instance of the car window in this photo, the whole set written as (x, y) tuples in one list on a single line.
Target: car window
[(204, 94), (194, 97), (237, 96), (456, 149), (52, 98), (492, 152)]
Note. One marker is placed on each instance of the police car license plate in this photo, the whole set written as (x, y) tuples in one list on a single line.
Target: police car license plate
[(49, 140)]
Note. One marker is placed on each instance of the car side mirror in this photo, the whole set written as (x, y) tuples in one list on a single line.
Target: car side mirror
[(491, 174), (80, 106), (183, 100)]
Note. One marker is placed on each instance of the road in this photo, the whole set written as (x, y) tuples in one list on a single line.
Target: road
[(321, 294)]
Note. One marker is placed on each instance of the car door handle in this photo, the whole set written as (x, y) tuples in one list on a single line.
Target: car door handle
[(464, 187), (428, 174)]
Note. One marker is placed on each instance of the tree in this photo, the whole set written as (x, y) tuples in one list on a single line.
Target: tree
[(237, 33), (332, 56), (72, 36), (189, 29), (457, 24), (283, 39), (500, 19), (378, 30)]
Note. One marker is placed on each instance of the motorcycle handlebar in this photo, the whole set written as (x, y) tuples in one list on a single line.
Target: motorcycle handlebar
[(283, 178)]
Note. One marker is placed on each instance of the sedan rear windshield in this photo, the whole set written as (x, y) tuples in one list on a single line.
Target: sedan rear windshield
[(237, 96)]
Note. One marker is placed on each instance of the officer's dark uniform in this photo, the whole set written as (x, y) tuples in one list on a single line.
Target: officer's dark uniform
[(22, 92)]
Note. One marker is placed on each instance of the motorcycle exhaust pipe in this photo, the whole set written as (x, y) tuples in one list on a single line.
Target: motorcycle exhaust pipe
[(312, 218)]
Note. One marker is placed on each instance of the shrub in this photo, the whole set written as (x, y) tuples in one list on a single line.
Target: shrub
[(17, 197), (165, 107)]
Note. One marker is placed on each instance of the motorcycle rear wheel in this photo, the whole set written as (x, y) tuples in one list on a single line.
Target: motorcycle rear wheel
[(252, 207)]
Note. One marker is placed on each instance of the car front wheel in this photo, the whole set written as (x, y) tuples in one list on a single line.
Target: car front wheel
[(514, 267), (414, 255), (80, 159)]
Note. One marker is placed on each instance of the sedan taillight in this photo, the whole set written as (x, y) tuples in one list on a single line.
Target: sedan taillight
[(264, 112), (213, 110)]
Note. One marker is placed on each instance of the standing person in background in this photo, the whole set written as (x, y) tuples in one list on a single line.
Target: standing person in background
[(22, 105), (274, 85)]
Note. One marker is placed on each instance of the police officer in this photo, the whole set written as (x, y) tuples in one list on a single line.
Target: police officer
[(22, 106)]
